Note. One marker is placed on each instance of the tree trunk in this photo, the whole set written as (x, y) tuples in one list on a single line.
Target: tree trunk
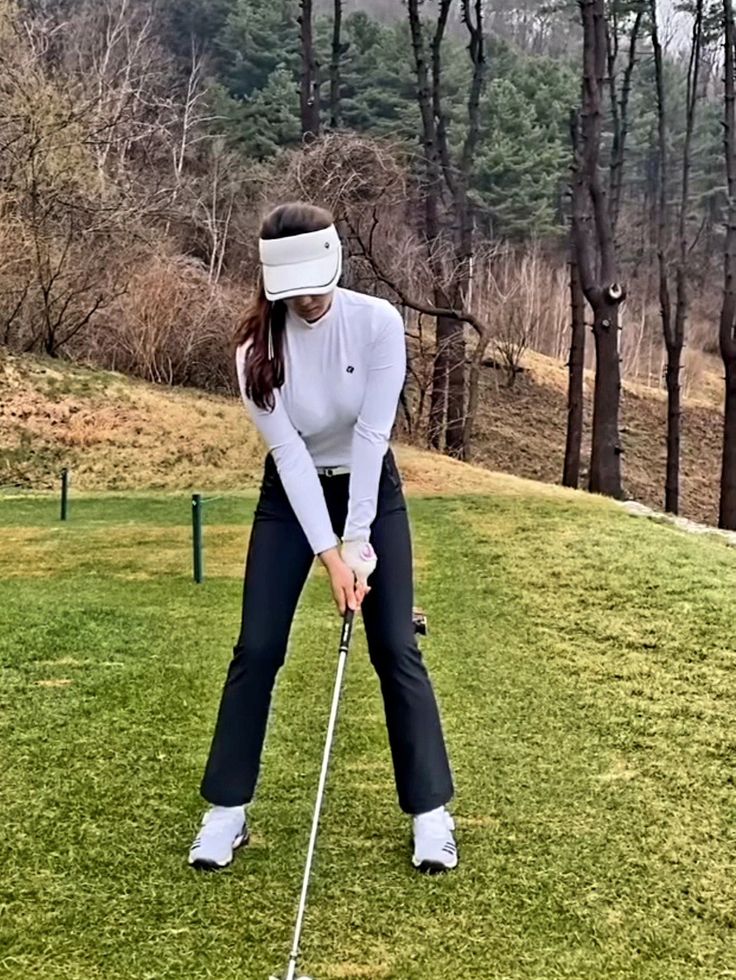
[(440, 377), (309, 94), (576, 368), (676, 342), (596, 255), (727, 510), (337, 52), (454, 438), (447, 411), (670, 333), (474, 391), (432, 189), (727, 515), (674, 413), (620, 111), (605, 465)]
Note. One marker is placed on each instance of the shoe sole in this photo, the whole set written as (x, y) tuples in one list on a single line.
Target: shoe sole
[(434, 867), (202, 864)]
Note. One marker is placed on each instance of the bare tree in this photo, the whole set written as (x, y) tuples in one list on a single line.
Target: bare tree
[(338, 50), (193, 119), (120, 76), (432, 199), (515, 314), (727, 509), (309, 99), (620, 11), (615, 27), (576, 369), (216, 205), (15, 270), (85, 96), (596, 256), (447, 409), (472, 15), (46, 170), (674, 327)]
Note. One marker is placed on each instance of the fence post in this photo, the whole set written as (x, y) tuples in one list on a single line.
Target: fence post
[(64, 493), (197, 537)]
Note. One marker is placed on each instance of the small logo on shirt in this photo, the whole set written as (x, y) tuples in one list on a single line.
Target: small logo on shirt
[(350, 368)]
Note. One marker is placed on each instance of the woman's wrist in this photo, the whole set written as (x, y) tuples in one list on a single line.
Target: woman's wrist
[(330, 558)]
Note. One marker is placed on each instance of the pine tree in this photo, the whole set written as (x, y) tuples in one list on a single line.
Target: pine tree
[(378, 85), (256, 40), (266, 121), (523, 154)]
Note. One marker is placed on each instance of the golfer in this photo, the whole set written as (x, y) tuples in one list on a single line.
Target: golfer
[(320, 371)]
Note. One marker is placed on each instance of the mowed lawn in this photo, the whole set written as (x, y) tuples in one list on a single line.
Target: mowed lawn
[(585, 665)]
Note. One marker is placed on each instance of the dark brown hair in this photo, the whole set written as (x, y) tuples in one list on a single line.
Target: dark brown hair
[(263, 374)]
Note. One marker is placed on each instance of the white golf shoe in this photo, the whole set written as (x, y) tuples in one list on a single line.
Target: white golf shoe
[(435, 849), (224, 829)]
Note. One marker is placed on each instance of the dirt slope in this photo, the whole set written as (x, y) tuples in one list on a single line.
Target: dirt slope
[(522, 431)]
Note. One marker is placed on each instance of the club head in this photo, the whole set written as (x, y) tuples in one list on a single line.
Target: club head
[(420, 622)]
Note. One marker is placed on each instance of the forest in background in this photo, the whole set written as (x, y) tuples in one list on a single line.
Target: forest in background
[(462, 146)]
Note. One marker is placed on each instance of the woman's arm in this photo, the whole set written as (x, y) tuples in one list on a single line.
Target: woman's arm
[(295, 465), (386, 372)]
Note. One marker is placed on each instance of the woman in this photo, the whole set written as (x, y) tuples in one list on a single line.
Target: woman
[(320, 371)]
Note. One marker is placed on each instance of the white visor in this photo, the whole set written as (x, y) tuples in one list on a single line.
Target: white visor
[(300, 265)]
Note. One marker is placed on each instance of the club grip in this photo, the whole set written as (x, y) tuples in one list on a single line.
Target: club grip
[(347, 630)]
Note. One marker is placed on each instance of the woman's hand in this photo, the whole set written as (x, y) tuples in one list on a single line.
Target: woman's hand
[(347, 593), (362, 559)]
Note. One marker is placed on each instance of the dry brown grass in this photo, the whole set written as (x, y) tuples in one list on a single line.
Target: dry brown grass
[(118, 433), (121, 434)]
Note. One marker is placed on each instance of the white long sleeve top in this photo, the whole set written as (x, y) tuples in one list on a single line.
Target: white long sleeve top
[(337, 406)]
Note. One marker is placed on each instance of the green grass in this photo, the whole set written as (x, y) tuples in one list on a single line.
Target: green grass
[(584, 665), (163, 509)]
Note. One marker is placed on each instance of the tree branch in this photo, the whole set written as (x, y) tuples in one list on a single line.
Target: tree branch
[(382, 276)]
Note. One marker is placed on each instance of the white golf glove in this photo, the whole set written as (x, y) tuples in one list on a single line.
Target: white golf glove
[(360, 557)]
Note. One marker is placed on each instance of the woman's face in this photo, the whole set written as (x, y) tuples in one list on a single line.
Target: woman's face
[(310, 307)]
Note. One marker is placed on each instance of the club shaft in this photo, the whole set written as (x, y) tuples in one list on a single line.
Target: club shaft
[(347, 630)]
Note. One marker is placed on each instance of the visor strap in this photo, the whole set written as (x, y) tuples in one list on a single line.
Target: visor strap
[(270, 340)]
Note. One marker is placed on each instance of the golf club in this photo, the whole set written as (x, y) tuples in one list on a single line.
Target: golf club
[(347, 632), (419, 619)]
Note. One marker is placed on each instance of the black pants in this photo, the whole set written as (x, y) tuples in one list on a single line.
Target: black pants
[(278, 563)]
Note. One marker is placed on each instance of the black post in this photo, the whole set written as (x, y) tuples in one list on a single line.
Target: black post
[(197, 537), (64, 493)]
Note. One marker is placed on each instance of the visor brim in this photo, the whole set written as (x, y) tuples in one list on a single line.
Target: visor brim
[(314, 278)]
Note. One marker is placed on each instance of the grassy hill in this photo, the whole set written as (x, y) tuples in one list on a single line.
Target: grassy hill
[(119, 433)]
